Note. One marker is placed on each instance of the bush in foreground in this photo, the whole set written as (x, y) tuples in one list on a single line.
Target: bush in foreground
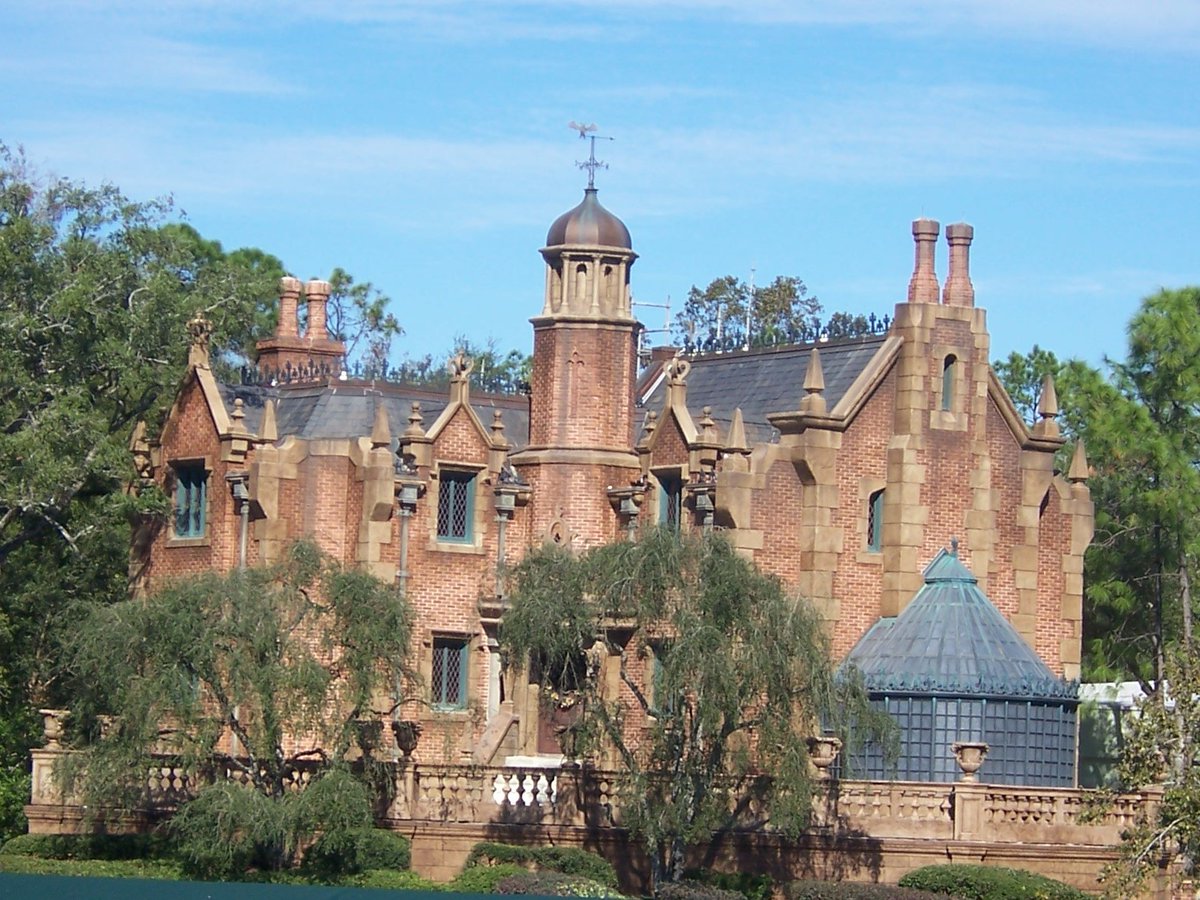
[(749, 885), (553, 884), (154, 845), (830, 890), (695, 890), (973, 882), (567, 860), (353, 851)]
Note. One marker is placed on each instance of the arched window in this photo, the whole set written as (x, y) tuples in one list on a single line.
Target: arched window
[(875, 521), (580, 281), (948, 381)]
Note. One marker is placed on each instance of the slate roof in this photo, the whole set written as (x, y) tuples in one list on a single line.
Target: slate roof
[(347, 409), (768, 380), (951, 640)]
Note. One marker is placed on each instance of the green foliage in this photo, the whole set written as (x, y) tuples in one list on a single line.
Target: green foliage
[(553, 884), (395, 880), (92, 868), (151, 845), (483, 879), (567, 860), (973, 882), (781, 313), (494, 372), (353, 851), (228, 829), (694, 890), (357, 315), (738, 661), (749, 885), (1023, 376), (849, 890)]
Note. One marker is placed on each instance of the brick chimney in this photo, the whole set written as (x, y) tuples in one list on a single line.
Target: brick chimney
[(923, 287), (287, 356), (959, 290)]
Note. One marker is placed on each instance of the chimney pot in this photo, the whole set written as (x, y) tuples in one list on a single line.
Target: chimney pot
[(959, 290), (923, 287)]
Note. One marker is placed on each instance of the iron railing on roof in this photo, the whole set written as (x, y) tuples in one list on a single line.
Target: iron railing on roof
[(314, 372), (839, 326)]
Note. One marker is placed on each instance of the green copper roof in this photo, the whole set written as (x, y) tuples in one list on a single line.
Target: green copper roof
[(951, 640)]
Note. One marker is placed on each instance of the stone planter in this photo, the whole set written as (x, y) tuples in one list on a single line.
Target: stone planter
[(970, 756), (822, 752), (407, 734), (54, 726), (369, 733)]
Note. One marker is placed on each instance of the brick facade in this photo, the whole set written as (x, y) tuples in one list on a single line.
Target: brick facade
[(917, 414)]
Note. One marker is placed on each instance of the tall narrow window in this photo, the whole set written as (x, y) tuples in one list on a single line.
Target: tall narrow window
[(670, 501), (191, 499), (448, 678), (456, 501), (948, 381), (875, 521)]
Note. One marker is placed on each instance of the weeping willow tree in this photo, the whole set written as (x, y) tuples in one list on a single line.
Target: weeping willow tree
[(261, 673), (723, 676)]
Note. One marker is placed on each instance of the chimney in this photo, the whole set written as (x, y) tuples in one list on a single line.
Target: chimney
[(289, 298), (317, 294), (923, 288), (959, 291)]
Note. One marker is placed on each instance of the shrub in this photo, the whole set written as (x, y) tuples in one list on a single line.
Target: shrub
[(695, 890), (351, 851), (973, 882), (482, 879), (395, 880), (553, 884), (750, 886), (847, 890), (568, 860), (154, 845)]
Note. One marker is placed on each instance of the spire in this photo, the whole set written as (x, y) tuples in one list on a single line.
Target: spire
[(1079, 465), (381, 433), (814, 386), (415, 421), (737, 442), (923, 287), (268, 432), (1047, 409)]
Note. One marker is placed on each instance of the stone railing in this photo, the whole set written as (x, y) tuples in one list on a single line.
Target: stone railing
[(574, 796)]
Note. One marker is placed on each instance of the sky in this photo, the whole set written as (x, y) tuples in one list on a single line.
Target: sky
[(423, 145)]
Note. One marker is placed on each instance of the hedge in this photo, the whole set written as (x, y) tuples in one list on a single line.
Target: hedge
[(695, 890), (848, 890), (568, 860), (973, 882), (154, 845), (553, 884), (355, 850)]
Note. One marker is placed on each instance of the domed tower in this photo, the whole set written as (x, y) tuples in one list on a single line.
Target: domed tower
[(584, 370)]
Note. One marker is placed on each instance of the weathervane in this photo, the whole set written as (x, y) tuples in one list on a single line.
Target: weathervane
[(592, 164)]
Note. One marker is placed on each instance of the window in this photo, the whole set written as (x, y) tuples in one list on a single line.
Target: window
[(456, 502), (448, 678), (670, 502), (191, 498), (948, 381), (875, 522)]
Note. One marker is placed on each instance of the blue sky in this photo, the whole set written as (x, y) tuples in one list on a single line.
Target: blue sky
[(424, 147)]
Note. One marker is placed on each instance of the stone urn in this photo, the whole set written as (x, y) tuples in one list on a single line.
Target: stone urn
[(54, 724), (369, 733), (970, 756), (822, 752), (407, 734)]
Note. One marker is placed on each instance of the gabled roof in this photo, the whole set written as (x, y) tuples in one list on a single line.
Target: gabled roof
[(951, 640), (765, 381), (347, 409)]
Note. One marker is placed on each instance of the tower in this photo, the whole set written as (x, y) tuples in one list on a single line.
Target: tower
[(584, 369)]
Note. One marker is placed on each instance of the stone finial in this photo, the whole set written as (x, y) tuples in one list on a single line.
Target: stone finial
[(289, 302), (1047, 409), (498, 438), (648, 426), (268, 431), (923, 286), (737, 442), (814, 385), (316, 293), (381, 432), (677, 370), (199, 332), (415, 420), (708, 427), (959, 290), (460, 366), (1078, 472), (239, 411)]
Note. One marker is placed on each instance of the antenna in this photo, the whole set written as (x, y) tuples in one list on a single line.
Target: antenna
[(643, 350), (592, 164)]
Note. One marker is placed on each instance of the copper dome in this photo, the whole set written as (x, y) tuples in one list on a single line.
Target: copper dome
[(591, 224)]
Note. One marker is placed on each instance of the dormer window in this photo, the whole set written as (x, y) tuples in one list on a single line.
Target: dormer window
[(456, 504)]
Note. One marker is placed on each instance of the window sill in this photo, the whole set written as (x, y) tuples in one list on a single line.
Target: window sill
[(204, 541), (871, 557), (456, 547)]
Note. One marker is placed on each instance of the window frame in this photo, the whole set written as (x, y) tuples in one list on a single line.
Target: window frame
[(466, 478), (189, 499), (445, 647)]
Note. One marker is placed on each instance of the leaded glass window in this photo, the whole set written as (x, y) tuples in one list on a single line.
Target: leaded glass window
[(456, 496), (449, 674)]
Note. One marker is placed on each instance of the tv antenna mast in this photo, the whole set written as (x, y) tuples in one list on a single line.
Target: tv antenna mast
[(592, 164)]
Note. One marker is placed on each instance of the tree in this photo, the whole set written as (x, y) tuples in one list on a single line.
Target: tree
[(357, 315), (282, 661), (729, 674), (494, 372)]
